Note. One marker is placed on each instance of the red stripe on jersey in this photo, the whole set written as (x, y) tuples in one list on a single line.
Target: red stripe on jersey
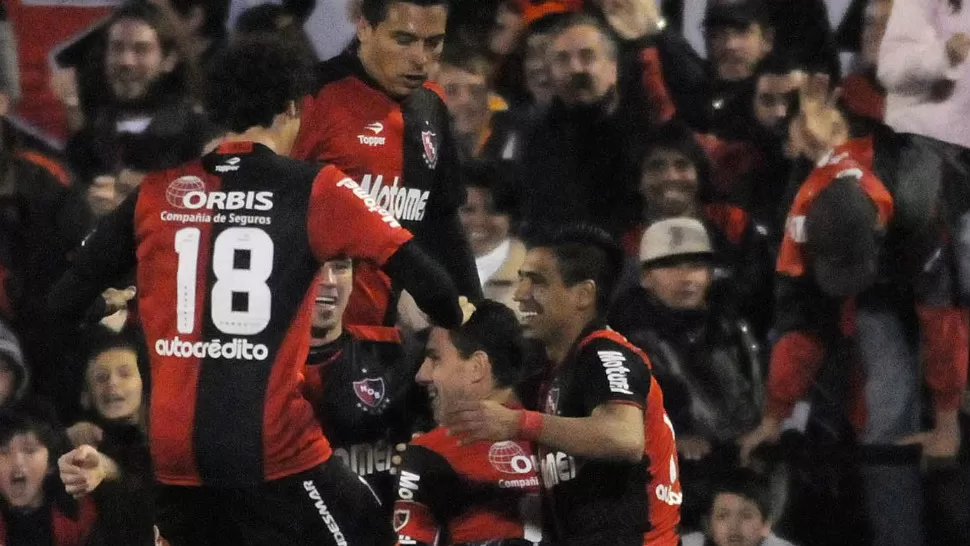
[(333, 122), (297, 441), (235, 147), (663, 492), (174, 379), (50, 165)]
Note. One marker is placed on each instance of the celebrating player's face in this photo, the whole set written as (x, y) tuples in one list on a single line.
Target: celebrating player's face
[(24, 462), (114, 384), (444, 373), (544, 299), (134, 59), (403, 50), (333, 292)]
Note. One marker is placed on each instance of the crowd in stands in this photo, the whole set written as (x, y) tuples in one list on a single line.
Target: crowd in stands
[(796, 230)]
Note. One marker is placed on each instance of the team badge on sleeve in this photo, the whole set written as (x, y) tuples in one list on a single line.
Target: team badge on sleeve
[(401, 518)]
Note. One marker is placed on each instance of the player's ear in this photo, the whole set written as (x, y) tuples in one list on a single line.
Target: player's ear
[(585, 294), (481, 367)]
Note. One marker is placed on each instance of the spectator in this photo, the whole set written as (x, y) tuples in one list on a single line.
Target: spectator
[(675, 181), (707, 361), (200, 26), (578, 162), (14, 373), (470, 492), (739, 34), (739, 514), (844, 277), (601, 404), (498, 255), (145, 118), (111, 448), (464, 78), (923, 65), (104, 194), (862, 93), (36, 509), (360, 380)]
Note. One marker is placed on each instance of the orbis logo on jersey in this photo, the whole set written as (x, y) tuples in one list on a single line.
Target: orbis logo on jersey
[(188, 192), (216, 349)]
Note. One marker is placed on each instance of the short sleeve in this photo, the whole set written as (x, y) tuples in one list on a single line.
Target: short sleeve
[(343, 220), (611, 372)]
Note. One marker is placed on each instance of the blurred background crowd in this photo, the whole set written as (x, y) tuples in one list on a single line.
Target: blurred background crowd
[(790, 180)]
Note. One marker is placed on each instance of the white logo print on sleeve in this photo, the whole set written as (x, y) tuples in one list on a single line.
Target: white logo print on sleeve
[(616, 371)]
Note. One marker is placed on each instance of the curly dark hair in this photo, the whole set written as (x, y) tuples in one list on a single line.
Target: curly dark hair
[(253, 80)]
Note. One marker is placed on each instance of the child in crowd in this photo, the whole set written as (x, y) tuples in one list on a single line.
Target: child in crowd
[(739, 514), (35, 509)]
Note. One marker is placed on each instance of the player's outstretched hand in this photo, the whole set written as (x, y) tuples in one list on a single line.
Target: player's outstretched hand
[(485, 420), (82, 470)]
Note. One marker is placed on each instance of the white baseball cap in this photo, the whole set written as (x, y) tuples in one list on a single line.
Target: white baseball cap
[(674, 237)]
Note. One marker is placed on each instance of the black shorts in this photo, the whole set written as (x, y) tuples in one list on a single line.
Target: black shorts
[(327, 505)]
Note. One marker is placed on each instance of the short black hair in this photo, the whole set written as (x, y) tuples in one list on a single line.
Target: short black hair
[(36, 418), (747, 484), (216, 14), (375, 11), (494, 329), (586, 252), (777, 64), (676, 135), (580, 19), (254, 79)]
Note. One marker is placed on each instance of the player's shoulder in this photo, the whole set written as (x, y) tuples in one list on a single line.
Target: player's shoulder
[(435, 89), (608, 344), (332, 74)]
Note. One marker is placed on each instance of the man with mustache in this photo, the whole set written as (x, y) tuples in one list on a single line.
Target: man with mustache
[(578, 164)]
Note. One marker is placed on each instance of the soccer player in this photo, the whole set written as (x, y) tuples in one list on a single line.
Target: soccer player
[(226, 249), (360, 380), (376, 118), (606, 447), (486, 492)]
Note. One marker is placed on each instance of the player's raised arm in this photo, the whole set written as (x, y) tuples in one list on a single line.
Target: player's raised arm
[(344, 220), (105, 256)]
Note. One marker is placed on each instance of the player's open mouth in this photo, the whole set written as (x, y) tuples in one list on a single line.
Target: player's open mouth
[(19, 480), (527, 316), (326, 300), (415, 79)]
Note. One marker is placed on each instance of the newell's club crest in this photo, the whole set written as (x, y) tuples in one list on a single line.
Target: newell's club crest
[(401, 518), (430, 142), (370, 391)]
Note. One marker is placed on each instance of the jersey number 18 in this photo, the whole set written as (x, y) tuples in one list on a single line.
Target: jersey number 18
[(245, 283)]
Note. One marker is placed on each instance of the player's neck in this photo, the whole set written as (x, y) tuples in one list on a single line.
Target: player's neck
[(332, 335), (258, 135), (506, 397), (557, 349)]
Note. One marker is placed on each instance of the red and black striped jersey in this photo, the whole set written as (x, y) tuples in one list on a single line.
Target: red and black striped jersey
[(599, 501), (226, 250), (480, 493), (403, 155)]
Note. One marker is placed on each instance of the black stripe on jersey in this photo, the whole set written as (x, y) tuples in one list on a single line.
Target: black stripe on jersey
[(229, 439)]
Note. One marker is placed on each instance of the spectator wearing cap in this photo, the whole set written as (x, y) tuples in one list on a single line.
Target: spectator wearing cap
[(676, 180), (577, 162), (707, 360), (739, 513), (738, 35), (846, 285)]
